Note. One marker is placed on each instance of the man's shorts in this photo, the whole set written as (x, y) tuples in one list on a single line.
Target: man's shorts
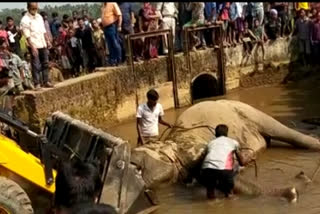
[(218, 179)]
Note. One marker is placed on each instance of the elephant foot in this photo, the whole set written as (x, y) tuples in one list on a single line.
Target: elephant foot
[(291, 194)]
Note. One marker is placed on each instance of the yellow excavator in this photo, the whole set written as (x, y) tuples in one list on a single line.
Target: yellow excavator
[(30, 158)]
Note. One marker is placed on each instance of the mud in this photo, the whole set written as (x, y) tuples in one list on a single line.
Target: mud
[(289, 104)]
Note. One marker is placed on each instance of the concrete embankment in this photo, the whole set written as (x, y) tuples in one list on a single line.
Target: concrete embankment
[(111, 94)]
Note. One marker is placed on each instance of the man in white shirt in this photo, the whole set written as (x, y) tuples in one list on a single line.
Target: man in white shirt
[(217, 167), (168, 13), (33, 28), (149, 115)]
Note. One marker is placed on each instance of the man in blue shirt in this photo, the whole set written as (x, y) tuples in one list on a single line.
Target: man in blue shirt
[(210, 11), (55, 24), (127, 25)]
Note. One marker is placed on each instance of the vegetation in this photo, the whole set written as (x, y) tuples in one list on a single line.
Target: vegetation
[(93, 10)]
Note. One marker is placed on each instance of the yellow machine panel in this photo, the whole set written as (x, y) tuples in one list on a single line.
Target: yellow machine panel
[(24, 164)]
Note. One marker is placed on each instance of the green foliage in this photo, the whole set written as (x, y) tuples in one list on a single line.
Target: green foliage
[(14, 13), (93, 10)]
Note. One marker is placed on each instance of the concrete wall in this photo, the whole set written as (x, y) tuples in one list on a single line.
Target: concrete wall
[(250, 71), (109, 95)]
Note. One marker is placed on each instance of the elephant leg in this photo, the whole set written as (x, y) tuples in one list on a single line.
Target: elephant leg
[(244, 186)]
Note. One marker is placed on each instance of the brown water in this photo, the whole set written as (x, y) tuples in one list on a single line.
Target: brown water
[(277, 166)]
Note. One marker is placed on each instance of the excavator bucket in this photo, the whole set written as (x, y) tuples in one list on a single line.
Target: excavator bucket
[(123, 186)]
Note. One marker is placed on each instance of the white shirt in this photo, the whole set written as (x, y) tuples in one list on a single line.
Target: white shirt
[(74, 42), (150, 119), (220, 153), (33, 28), (240, 6), (167, 9)]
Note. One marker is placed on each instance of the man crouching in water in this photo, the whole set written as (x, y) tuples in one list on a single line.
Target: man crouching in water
[(217, 167)]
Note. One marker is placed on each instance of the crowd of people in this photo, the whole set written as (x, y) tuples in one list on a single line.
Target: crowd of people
[(34, 53)]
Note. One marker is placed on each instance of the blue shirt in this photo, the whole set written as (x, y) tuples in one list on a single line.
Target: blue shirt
[(126, 10), (233, 11), (208, 7), (55, 28)]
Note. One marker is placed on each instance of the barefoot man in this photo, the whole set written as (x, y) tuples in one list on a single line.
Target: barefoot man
[(217, 167), (149, 115)]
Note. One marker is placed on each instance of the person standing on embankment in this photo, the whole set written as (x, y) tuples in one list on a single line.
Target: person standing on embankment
[(33, 28)]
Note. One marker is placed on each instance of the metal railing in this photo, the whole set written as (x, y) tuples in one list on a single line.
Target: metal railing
[(171, 64), (221, 64), (172, 75)]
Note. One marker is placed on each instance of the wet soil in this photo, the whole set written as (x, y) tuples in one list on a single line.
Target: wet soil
[(277, 166)]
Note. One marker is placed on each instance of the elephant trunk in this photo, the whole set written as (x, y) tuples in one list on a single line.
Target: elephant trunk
[(269, 127), (278, 131)]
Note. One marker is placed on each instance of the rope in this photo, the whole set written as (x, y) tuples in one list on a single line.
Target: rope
[(211, 129)]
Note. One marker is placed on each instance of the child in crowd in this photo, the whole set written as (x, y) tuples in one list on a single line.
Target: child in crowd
[(61, 45), (197, 19), (224, 16), (55, 74), (13, 63), (73, 50), (149, 21), (247, 39), (260, 35), (99, 43), (239, 25), (27, 72), (64, 21), (70, 24)]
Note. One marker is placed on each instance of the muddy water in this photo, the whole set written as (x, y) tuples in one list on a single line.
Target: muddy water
[(277, 166)]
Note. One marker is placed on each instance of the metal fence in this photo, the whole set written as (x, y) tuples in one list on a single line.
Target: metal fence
[(172, 75), (218, 29), (171, 64)]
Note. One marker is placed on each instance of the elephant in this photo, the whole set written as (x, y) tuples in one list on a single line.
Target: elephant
[(178, 156)]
